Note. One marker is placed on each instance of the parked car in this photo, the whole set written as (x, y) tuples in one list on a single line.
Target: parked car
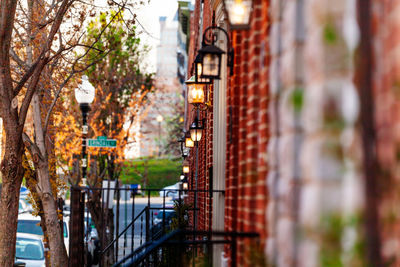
[(19, 264), (23, 207), (66, 233), (29, 249), (170, 191), (29, 224), (169, 214), (157, 229)]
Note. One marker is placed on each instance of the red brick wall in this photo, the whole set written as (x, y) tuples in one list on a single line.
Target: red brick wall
[(205, 146), (247, 131), (246, 195), (386, 28), (247, 97)]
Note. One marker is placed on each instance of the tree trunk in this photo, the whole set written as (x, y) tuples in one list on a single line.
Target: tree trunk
[(109, 237), (94, 206), (58, 253), (12, 173)]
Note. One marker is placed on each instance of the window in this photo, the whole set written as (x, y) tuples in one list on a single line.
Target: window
[(29, 227), (29, 249)]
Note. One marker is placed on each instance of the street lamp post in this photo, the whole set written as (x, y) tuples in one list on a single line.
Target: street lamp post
[(84, 95)]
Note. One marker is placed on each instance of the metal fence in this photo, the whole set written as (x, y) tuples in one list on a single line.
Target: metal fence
[(110, 223), (178, 248)]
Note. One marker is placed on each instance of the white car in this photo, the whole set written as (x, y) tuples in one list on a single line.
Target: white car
[(29, 224), (66, 233), (170, 191), (30, 250), (23, 207)]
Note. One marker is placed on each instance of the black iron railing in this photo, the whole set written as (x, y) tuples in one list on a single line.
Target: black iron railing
[(174, 246), (137, 219)]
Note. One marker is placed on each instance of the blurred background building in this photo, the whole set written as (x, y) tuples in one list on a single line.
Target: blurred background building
[(157, 118)]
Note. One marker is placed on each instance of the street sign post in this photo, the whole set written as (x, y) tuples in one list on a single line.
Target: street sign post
[(102, 141)]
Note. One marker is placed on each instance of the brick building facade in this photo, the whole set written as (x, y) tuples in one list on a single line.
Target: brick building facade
[(291, 135)]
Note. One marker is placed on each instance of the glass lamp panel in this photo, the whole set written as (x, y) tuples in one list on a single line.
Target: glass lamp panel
[(85, 92), (186, 152), (185, 169), (196, 93), (199, 68), (193, 135), (238, 13), (196, 134), (189, 142), (199, 134), (211, 64), (199, 72), (185, 186)]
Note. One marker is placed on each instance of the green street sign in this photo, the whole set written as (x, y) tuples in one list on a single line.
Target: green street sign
[(102, 141)]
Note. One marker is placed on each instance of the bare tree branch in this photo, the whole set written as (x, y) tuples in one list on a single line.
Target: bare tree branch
[(57, 95), (17, 59), (42, 59), (32, 148), (8, 9)]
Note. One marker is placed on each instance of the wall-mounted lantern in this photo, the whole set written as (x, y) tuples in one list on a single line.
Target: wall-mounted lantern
[(238, 12), (185, 167), (195, 91), (196, 130), (211, 55), (198, 71), (185, 184), (211, 61), (184, 149), (188, 141)]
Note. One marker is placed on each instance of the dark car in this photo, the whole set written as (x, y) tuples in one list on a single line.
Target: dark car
[(156, 230)]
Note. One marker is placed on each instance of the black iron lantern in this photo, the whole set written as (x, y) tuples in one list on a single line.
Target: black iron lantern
[(181, 140), (188, 141), (185, 167), (198, 70), (195, 91), (238, 12), (211, 56), (185, 184), (196, 130)]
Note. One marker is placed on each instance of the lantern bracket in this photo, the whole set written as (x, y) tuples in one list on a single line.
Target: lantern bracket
[(211, 41)]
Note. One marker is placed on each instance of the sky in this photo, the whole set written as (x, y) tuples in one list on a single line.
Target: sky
[(148, 16)]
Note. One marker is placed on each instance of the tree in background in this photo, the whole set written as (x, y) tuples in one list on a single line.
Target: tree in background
[(122, 87), (121, 90), (174, 127), (38, 60)]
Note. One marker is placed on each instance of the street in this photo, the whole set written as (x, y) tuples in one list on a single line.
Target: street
[(126, 217)]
